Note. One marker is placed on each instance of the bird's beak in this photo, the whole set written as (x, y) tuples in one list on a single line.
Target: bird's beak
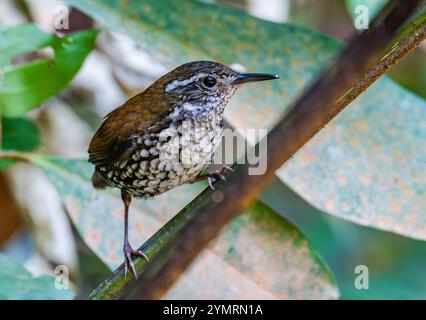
[(254, 77)]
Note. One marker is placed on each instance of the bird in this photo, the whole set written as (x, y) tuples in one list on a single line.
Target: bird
[(165, 136)]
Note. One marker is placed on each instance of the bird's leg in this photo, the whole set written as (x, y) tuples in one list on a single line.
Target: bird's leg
[(212, 177), (129, 252)]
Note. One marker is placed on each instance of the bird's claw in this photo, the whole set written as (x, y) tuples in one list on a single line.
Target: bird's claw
[(226, 168), (216, 175), (129, 253)]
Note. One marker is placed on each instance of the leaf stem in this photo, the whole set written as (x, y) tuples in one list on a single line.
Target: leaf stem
[(15, 155)]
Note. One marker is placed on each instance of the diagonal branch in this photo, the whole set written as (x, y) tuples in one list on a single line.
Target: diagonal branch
[(330, 94), (414, 33)]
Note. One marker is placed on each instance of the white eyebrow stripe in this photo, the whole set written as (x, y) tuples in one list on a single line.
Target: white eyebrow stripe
[(179, 83)]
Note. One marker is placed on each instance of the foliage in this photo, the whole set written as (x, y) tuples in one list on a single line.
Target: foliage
[(21, 39), (19, 134), (24, 87)]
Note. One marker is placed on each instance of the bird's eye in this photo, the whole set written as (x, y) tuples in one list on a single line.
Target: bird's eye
[(209, 81)]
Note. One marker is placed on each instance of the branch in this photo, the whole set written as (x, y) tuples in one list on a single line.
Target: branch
[(200, 223), (414, 33)]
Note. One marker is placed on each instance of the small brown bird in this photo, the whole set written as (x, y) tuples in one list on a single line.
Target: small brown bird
[(165, 136)]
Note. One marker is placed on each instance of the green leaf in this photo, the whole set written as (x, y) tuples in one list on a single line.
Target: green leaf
[(21, 39), (26, 86), (259, 255), (5, 163), (366, 166), (16, 283), (19, 134)]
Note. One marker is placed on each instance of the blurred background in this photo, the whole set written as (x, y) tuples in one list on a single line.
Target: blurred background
[(35, 230)]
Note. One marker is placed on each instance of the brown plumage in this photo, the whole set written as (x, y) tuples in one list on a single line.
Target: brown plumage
[(115, 136)]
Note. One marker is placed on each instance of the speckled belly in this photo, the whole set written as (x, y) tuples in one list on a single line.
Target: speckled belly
[(164, 160)]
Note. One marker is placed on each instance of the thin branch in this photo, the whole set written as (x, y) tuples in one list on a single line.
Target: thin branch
[(309, 114), (397, 51)]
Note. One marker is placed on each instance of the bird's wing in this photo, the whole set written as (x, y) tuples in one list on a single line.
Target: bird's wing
[(117, 136)]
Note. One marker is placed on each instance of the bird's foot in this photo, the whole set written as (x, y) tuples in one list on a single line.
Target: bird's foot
[(218, 175), (129, 253)]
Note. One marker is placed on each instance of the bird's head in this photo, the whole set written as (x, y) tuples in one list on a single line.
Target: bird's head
[(204, 85)]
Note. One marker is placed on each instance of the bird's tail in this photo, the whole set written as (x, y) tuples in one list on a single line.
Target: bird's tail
[(99, 182)]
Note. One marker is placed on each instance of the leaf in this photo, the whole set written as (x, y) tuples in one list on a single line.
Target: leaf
[(26, 86), (21, 39), (394, 261), (259, 255), (366, 166), (369, 166), (19, 134), (16, 283), (92, 270)]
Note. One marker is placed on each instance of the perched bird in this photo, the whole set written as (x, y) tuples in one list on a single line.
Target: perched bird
[(165, 136)]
